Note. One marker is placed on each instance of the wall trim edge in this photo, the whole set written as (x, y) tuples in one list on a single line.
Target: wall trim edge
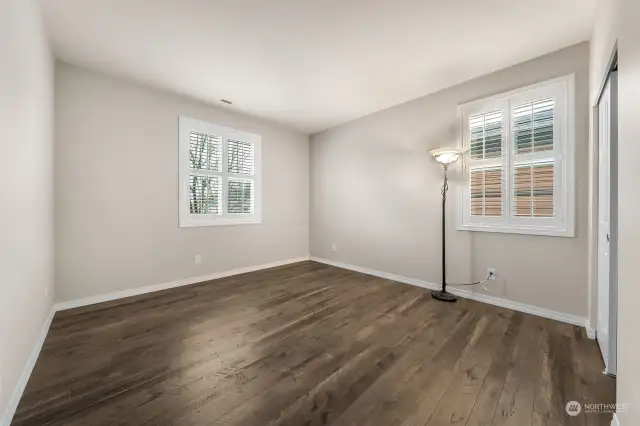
[(107, 297), (12, 406), (492, 300), (18, 390)]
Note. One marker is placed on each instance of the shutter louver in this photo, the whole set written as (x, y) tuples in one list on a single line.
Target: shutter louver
[(241, 158), (205, 155), (205, 194), (205, 152), (533, 189), (241, 191), (486, 135), (485, 174), (241, 196), (533, 171), (486, 191), (533, 126)]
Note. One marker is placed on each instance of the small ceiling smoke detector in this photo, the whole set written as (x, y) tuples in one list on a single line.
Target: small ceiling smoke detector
[(226, 101)]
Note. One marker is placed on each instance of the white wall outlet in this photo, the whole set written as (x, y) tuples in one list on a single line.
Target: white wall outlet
[(491, 273), (198, 258), (334, 247)]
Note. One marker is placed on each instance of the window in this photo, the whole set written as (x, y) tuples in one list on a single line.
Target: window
[(219, 175), (519, 172)]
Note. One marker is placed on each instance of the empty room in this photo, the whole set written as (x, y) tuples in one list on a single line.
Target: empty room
[(319, 212)]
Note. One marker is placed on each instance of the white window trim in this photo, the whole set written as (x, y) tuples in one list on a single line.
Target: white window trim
[(187, 219), (564, 224)]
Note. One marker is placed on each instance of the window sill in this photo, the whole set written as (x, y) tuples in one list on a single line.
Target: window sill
[(219, 222), (523, 230)]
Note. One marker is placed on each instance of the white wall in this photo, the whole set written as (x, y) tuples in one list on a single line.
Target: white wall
[(117, 190), (376, 194), (628, 384), (26, 175), (617, 20)]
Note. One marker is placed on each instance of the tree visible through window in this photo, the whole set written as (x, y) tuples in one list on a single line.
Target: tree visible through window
[(221, 183), (205, 192)]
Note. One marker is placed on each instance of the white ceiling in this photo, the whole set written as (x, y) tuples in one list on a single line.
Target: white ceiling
[(311, 64)]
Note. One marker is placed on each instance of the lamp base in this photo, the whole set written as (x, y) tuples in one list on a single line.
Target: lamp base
[(443, 296)]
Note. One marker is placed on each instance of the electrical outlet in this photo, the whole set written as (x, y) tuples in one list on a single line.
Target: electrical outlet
[(491, 273), (334, 247), (198, 258)]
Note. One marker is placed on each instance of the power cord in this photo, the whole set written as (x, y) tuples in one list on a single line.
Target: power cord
[(491, 274)]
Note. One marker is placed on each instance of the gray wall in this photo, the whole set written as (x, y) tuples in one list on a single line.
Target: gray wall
[(26, 175), (375, 192), (117, 190)]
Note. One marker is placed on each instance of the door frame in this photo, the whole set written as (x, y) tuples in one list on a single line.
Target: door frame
[(594, 220), (610, 153)]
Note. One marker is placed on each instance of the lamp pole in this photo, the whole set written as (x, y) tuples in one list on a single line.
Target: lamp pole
[(443, 295)]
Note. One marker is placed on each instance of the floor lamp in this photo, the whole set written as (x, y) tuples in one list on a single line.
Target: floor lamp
[(446, 157)]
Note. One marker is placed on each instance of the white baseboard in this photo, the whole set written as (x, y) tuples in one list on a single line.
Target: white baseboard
[(26, 372), (492, 300), (614, 420), (171, 284), (517, 306), (591, 332)]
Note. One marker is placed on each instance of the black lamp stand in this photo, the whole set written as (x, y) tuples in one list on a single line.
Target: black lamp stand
[(443, 295)]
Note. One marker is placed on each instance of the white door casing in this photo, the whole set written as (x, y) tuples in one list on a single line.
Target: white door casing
[(607, 235)]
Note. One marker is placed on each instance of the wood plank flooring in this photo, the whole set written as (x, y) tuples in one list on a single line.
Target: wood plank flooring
[(310, 344)]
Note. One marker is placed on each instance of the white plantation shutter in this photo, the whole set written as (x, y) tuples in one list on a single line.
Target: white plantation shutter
[(533, 189), (205, 187), (205, 152), (533, 158), (485, 184), (219, 174), (241, 196), (519, 169), (241, 192), (485, 174), (486, 135), (205, 195), (241, 157)]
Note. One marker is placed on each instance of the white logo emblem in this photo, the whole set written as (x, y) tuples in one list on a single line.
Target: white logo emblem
[(573, 408)]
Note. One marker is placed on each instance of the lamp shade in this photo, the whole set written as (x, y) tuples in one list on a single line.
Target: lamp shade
[(446, 156)]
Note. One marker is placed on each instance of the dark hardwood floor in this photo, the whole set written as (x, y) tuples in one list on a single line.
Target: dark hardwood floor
[(310, 344)]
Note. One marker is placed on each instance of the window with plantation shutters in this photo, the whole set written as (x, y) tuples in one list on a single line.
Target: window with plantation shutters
[(219, 175), (519, 167)]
